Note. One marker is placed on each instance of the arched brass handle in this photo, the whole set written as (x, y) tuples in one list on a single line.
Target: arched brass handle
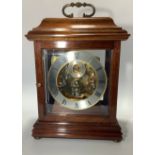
[(78, 4)]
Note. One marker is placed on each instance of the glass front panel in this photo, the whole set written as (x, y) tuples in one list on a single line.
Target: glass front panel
[(75, 81)]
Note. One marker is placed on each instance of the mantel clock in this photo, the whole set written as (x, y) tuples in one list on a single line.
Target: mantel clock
[(77, 68)]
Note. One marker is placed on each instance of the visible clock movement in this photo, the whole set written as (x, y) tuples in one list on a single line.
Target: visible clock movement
[(77, 68), (76, 80)]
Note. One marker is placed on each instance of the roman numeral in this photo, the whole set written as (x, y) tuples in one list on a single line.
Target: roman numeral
[(64, 102), (98, 69), (63, 60), (77, 55), (98, 94), (89, 102), (101, 81), (54, 91), (55, 69), (76, 105)]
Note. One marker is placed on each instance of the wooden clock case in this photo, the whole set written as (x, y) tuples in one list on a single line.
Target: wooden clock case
[(79, 34)]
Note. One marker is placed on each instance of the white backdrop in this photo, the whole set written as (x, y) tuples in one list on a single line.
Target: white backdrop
[(33, 12)]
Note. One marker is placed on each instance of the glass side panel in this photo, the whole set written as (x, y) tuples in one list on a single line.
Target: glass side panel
[(75, 81)]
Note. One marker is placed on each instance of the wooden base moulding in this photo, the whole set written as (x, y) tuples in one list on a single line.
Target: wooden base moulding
[(106, 131)]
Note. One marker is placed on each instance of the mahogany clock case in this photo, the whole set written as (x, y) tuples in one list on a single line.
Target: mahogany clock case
[(87, 35)]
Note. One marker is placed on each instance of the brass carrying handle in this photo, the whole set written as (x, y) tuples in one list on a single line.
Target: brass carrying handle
[(78, 4)]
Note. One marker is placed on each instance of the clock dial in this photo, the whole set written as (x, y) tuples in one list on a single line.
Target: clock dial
[(76, 80)]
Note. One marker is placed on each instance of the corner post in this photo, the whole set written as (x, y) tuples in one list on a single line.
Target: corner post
[(112, 68)]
